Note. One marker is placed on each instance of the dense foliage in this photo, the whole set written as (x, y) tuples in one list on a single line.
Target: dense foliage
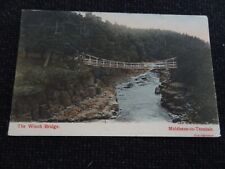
[(49, 40)]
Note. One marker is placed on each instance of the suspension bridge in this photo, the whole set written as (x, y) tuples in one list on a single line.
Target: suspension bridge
[(100, 62)]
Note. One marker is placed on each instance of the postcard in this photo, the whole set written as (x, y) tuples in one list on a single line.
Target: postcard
[(113, 74)]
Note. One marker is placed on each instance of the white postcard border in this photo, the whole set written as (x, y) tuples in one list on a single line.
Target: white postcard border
[(113, 129)]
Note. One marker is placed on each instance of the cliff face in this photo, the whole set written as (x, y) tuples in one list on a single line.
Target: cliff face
[(176, 98), (173, 97)]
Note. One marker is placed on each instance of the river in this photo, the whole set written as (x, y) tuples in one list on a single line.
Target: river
[(138, 101)]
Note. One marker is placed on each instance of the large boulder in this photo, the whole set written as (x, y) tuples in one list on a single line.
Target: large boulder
[(176, 120), (157, 90), (114, 105), (129, 85)]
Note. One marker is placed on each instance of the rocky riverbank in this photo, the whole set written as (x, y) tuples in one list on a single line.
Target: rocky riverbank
[(102, 106), (174, 99), (71, 101)]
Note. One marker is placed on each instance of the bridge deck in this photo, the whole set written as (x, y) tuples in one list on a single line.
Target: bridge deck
[(99, 62)]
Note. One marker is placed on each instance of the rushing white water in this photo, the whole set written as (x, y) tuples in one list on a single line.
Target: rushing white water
[(138, 101)]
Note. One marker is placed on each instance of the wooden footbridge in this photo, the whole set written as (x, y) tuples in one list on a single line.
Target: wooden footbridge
[(99, 62)]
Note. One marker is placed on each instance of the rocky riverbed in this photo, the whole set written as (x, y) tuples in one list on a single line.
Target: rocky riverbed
[(102, 106), (134, 97)]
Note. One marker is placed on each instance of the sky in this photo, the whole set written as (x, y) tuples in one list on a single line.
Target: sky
[(194, 25)]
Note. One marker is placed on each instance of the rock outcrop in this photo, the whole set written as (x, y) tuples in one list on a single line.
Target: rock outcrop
[(174, 99), (103, 106)]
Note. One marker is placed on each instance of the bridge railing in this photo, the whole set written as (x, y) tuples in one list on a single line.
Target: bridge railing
[(166, 64), (94, 61), (98, 62)]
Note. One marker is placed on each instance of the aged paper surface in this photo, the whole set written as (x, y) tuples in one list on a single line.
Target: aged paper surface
[(113, 74)]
